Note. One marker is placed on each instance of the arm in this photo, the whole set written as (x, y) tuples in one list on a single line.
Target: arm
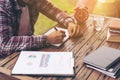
[(45, 7), (10, 43), (48, 9)]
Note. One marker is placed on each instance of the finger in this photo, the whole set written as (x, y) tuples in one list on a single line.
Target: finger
[(70, 32), (59, 30), (80, 33), (62, 31), (74, 31), (77, 32), (59, 40), (63, 35)]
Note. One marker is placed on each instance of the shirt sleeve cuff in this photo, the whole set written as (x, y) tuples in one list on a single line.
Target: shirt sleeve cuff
[(64, 19), (68, 20), (40, 41)]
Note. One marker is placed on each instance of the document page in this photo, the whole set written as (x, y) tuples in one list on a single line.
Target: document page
[(44, 63)]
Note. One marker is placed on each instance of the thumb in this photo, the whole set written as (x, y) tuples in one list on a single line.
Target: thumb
[(70, 32)]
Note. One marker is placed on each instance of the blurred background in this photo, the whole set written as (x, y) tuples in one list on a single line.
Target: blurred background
[(109, 8)]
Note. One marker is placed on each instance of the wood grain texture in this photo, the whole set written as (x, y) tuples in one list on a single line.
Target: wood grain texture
[(82, 46)]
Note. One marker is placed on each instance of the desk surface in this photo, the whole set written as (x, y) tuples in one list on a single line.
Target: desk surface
[(82, 46)]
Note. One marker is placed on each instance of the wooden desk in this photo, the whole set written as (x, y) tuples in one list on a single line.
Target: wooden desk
[(82, 46)]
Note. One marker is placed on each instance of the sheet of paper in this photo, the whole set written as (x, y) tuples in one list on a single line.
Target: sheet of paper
[(58, 28), (44, 63)]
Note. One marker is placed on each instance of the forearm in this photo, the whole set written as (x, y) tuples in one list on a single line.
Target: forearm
[(18, 43), (10, 43), (53, 12), (48, 9)]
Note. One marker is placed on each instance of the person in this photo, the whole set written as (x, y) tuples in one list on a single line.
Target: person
[(10, 12)]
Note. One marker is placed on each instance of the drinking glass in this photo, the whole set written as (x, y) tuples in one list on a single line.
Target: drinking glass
[(98, 22)]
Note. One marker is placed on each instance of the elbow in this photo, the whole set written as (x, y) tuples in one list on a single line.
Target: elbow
[(4, 50)]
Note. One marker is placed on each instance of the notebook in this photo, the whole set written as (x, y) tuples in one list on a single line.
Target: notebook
[(44, 63), (113, 36), (113, 71), (103, 58), (115, 25), (114, 74), (58, 28)]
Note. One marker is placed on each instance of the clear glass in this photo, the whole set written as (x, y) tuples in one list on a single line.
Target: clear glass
[(98, 22)]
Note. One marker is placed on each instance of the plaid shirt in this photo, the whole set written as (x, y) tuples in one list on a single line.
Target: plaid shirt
[(9, 41)]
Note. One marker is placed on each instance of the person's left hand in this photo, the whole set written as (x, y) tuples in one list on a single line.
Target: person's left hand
[(74, 30)]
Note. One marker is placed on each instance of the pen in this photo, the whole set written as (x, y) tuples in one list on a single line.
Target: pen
[(55, 28)]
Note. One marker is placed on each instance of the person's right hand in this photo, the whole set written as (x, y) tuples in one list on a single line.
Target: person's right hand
[(56, 37)]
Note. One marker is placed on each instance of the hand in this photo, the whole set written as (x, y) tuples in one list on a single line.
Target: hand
[(74, 30), (56, 37)]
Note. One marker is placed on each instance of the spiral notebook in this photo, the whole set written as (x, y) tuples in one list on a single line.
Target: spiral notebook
[(44, 63)]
